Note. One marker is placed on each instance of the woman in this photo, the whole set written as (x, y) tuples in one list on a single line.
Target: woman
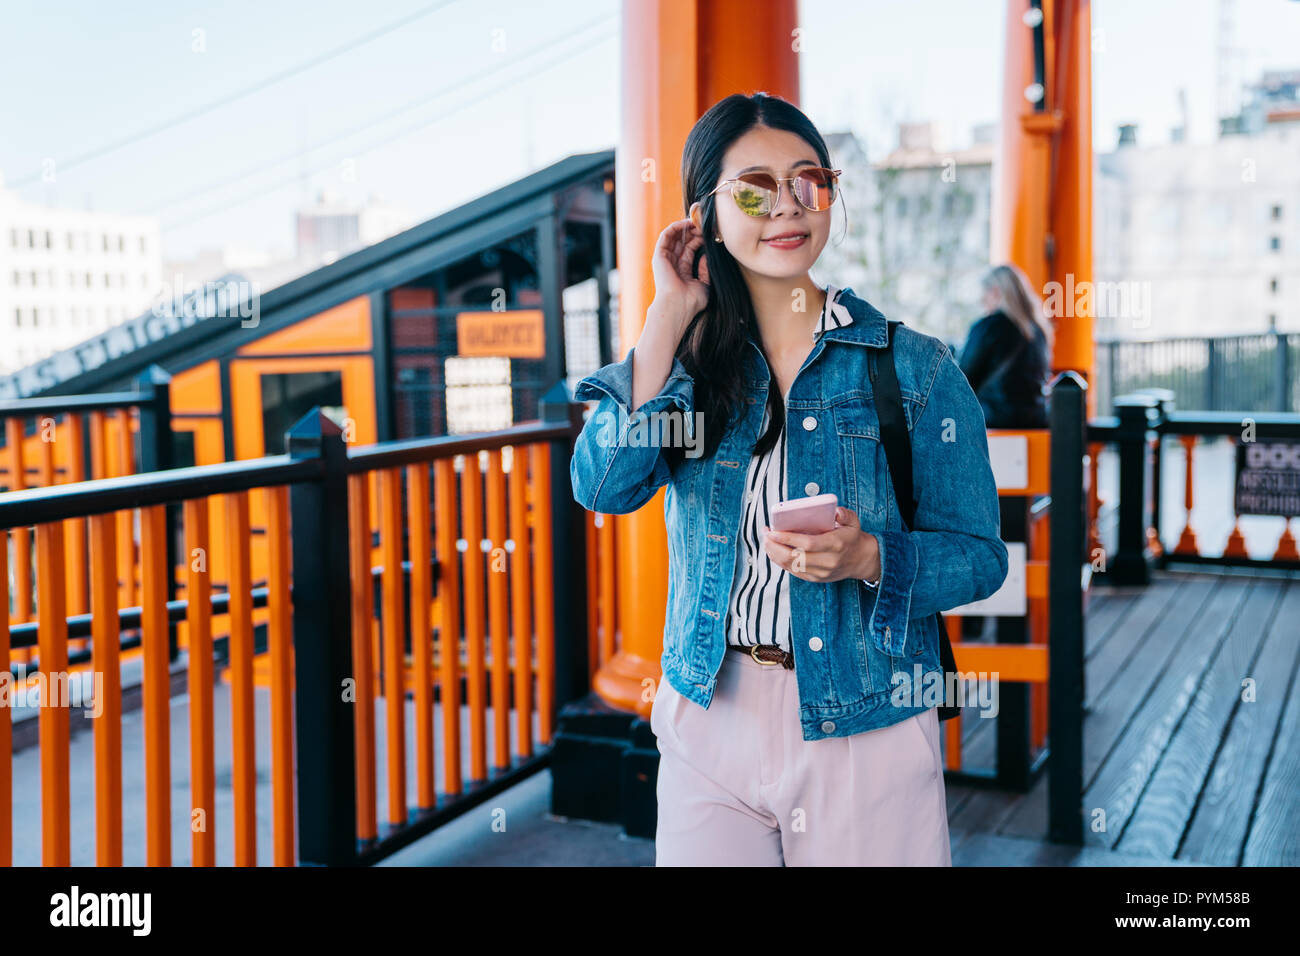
[(1006, 355), (796, 716)]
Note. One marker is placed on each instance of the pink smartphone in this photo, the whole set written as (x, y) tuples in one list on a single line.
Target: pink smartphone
[(814, 515)]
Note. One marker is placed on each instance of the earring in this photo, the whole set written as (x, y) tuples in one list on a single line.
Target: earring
[(717, 238)]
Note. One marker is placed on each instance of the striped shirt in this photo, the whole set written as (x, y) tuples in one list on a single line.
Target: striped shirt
[(759, 609)]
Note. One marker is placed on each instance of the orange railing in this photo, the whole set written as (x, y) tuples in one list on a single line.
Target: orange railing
[(476, 623)]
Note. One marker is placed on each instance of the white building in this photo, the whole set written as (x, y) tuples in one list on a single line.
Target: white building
[(1209, 232), (918, 227), (331, 227), (66, 275)]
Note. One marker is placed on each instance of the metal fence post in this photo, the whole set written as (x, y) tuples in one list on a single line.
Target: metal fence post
[(1065, 600), (1281, 372), (322, 638), (1129, 564), (156, 454), (568, 552)]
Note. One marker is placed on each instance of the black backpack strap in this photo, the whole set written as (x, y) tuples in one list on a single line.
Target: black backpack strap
[(893, 430), (898, 455)]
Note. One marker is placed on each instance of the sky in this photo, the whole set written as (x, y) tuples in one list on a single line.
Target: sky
[(223, 117)]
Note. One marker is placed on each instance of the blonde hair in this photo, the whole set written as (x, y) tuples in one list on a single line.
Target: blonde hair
[(1017, 298)]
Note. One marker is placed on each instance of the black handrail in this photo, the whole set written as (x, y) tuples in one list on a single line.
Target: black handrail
[(103, 495), (420, 450)]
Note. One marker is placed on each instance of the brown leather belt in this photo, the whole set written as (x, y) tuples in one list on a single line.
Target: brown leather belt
[(765, 654)]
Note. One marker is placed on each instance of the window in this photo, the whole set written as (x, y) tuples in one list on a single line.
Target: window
[(106, 242), (88, 280), (13, 238), (72, 241), (286, 398), (18, 317), (31, 238), (1275, 244), (18, 278), (49, 239), (108, 280), (144, 243), (1276, 212), (121, 243), (1272, 285)]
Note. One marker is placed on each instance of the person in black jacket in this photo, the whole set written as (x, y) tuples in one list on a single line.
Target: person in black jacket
[(1006, 357)]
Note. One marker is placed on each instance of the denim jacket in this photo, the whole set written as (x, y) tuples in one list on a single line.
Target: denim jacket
[(861, 654)]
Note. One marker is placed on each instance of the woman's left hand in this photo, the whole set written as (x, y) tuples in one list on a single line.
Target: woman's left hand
[(845, 552)]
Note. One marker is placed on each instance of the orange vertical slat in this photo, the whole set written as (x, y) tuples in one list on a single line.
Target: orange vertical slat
[(608, 597), (22, 536), (105, 641), (594, 557), (394, 633), (125, 519), (1187, 540), (444, 476), (280, 644), (54, 713), (417, 493), (75, 528), (471, 497), (362, 660), (497, 621), (521, 613), (98, 446), (244, 765), (544, 588), (157, 685), (6, 717), (198, 625)]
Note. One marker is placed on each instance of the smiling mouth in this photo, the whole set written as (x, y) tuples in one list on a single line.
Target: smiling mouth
[(787, 242)]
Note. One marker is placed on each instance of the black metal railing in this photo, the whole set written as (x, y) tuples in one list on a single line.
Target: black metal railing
[(1230, 373), (316, 469)]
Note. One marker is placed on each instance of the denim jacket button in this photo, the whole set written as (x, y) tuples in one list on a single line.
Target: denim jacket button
[(815, 643), (828, 726), (809, 423), (811, 488)]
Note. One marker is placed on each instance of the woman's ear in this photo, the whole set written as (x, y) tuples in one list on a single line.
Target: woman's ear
[(696, 217)]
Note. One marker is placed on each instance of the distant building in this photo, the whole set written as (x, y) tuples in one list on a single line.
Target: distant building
[(331, 228), (919, 220), (66, 275), (1209, 231)]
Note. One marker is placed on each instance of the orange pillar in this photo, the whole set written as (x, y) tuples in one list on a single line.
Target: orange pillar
[(1043, 192), (679, 58)]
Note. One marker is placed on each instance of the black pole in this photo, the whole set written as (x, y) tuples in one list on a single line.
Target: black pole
[(156, 454), (568, 553), (1013, 737), (1130, 563), (1065, 597), (322, 637)]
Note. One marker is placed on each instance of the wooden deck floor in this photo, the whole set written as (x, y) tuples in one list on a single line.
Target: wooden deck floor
[(1189, 762)]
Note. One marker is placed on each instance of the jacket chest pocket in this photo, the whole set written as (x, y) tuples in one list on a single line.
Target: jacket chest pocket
[(862, 460)]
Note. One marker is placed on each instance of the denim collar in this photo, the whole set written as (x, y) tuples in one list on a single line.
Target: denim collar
[(865, 325), (869, 326)]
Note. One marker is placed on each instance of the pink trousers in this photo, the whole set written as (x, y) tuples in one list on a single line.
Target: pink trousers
[(739, 786)]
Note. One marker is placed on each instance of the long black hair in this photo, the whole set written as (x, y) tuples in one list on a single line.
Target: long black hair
[(713, 347)]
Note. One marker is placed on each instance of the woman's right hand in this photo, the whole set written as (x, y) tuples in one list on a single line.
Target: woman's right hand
[(676, 288)]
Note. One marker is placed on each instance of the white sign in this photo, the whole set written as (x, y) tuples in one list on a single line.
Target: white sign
[(1009, 456), (1008, 600)]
